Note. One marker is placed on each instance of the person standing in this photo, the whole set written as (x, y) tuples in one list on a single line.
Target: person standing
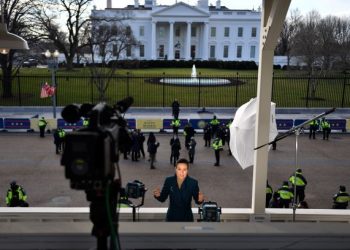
[(217, 146), (42, 125), (180, 189), (135, 147), (312, 129), (175, 108), (285, 195), (141, 139), (152, 146), (207, 135), (16, 196), (326, 128), (299, 180), (192, 149), (269, 193), (214, 123), (175, 123), (188, 133), (341, 199), (275, 201), (175, 149)]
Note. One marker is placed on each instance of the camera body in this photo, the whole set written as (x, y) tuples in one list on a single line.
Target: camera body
[(210, 212), (135, 189), (91, 153)]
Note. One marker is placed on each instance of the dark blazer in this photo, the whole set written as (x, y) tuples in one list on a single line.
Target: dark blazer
[(179, 199)]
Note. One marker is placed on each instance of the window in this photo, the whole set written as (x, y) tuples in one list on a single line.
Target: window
[(227, 32), (161, 51), (193, 31), (239, 51), (161, 31), (142, 30), (128, 30), (142, 50), (240, 31), (254, 32), (213, 32), (226, 51), (193, 51), (252, 51), (177, 31), (212, 51), (128, 50)]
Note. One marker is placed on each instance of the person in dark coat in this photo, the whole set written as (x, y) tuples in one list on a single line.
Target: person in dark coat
[(207, 135), (188, 133), (141, 139), (175, 150), (192, 149), (152, 146), (175, 106), (180, 189), (135, 148), (275, 201)]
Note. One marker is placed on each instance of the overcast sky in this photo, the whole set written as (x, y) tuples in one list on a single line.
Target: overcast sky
[(324, 7)]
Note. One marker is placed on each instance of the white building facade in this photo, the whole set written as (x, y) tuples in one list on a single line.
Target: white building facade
[(184, 32)]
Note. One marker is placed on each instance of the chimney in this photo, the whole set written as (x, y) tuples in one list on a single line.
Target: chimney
[(203, 4), (218, 4), (136, 5), (109, 4)]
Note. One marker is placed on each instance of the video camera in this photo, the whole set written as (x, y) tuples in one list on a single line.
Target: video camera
[(91, 152), (209, 212), (135, 189)]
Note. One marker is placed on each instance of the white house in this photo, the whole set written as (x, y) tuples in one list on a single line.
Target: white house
[(182, 31)]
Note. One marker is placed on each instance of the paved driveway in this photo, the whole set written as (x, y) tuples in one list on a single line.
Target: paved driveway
[(33, 163)]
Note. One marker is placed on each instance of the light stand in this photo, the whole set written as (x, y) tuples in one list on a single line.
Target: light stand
[(133, 206), (53, 65), (296, 130)]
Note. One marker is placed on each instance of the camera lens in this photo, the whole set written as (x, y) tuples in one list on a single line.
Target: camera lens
[(79, 167)]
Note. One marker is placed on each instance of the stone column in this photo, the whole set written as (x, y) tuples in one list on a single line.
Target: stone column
[(188, 42), (153, 41), (171, 42), (205, 41)]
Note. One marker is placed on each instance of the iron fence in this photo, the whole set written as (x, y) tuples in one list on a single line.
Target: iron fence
[(160, 90)]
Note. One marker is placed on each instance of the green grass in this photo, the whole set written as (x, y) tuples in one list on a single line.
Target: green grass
[(75, 87)]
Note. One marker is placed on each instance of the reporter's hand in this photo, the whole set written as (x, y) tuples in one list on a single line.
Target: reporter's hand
[(200, 197), (156, 192)]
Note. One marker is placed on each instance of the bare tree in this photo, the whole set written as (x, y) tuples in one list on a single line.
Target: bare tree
[(108, 40), (327, 42), (17, 17), (287, 37), (67, 38), (342, 40)]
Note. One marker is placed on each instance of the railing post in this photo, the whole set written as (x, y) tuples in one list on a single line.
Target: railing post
[(92, 88), (343, 97), (308, 90), (127, 83), (163, 89), (19, 90), (199, 90), (236, 102), (273, 85)]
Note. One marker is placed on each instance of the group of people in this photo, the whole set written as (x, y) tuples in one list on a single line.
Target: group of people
[(285, 194), (315, 125), (296, 185)]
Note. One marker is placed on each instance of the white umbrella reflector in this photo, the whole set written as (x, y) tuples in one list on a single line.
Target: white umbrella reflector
[(242, 132)]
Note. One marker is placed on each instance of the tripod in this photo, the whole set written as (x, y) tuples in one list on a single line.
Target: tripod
[(103, 214), (296, 130), (133, 206)]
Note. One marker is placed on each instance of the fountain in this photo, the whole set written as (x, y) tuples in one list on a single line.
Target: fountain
[(194, 81)]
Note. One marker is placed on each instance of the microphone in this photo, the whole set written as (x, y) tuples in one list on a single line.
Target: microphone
[(124, 104)]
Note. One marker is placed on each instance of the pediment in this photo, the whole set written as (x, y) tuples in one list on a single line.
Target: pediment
[(180, 9)]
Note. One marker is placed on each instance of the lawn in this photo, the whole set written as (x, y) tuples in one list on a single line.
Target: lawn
[(289, 88)]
